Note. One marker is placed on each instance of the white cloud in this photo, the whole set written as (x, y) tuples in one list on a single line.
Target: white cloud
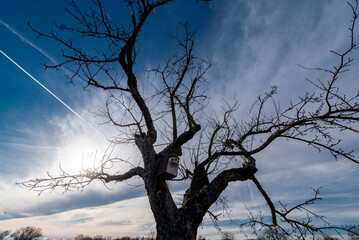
[(252, 49), (27, 41), (259, 44), (117, 219), (67, 141)]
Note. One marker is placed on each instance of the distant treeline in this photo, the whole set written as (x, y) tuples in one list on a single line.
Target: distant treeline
[(83, 237), (32, 233)]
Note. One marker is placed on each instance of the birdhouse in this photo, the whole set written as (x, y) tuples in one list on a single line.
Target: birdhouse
[(168, 167)]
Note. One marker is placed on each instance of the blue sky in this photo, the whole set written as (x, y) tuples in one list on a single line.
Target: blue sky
[(253, 45)]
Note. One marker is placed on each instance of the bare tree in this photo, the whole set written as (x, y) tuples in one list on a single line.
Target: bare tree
[(163, 120), (151, 235), (228, 236), (4, 235), (354, 234), (327, 238), (82, 237), (201, 238), (27, 233), (273, 234)]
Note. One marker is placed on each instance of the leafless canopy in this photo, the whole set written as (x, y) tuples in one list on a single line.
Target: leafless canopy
[(163, 117)]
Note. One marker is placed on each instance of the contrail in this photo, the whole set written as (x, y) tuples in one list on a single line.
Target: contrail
[(28, 42), (68, 107), (22, 145), (25, 40)]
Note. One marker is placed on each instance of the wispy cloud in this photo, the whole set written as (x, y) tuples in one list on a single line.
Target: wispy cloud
[(38, 82), (22, 145), (55, 96), (259, 44), (27, 41), (94, 220), (253, 48)]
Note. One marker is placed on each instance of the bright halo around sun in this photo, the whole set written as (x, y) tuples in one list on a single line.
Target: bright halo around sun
[(81, 153), (79, 147)]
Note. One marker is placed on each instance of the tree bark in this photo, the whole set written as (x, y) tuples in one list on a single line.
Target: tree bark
[(172, 223), (175, 223), (181, 228)]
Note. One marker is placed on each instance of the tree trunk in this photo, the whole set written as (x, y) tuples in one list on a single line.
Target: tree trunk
[(183, 226), (175, 223), (171, 223), (175, 234)]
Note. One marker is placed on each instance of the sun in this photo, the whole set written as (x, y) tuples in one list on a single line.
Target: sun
[(81, 152)]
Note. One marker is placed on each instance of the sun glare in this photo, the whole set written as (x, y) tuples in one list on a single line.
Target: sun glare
[(81, 152)]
